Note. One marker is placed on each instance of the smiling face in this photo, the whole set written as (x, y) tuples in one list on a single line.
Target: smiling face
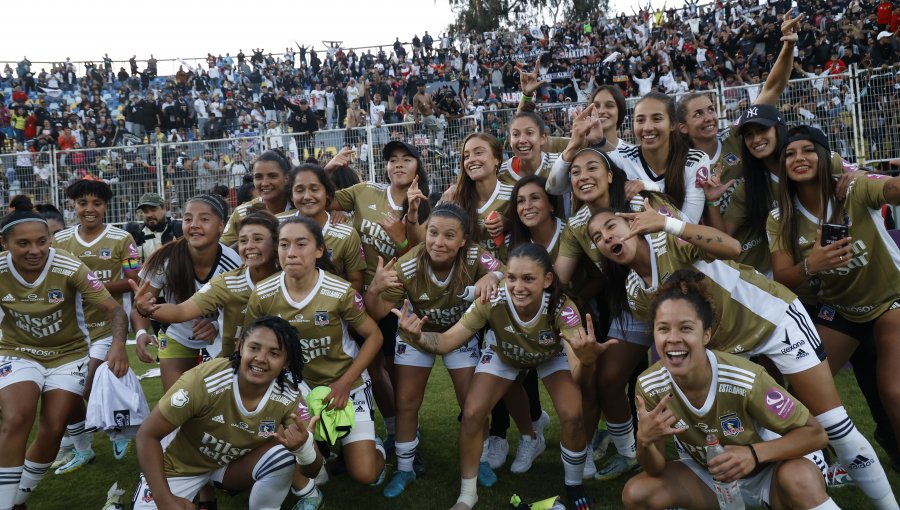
[(652, 124), (443, 240), (760, 140), (801, 161), (256, 245), (309, 194), (533, 205), (90, 211), (201, 226), (606, 109), (525, 282), (702, 121), (298, 250), (590, 178), (262, 359), (479, 161), (401, 168), (269, 180), (526, 138), (680, 337), (607, 232), (29, 245)]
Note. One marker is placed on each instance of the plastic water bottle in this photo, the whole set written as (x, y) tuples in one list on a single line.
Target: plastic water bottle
[(728, 493)]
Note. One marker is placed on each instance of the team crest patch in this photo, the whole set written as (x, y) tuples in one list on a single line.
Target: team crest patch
[(779, 403), (731, 424), (545, 338), (5, 369), (826, 313), (489, 262), (731, 159), (486, 358), (105, 253), (123, 418), (266, 428), (180, 398), (401, 349), (147, 496), (163, 343), (321, 318), (55, 296), (358, 299), (569, 317)]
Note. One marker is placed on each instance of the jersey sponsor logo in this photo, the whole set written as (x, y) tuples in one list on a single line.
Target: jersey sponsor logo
[(731, 424), (801, 354), (180, 398), (105, 253), (55, 296), (706, 428), (373, 207), (321, 318), (281, 399), (8, 298), (519, 354), (702, 176), (569, 317), (218, 419), (731, 159), (860, 258), (488, 262), (734, 390), (314, 347), (93, 281), (5, 369), (38, 327), (330, 293), (266, 428), (873, 176), (423, 297), (220, 451), (444, 316), (358, 299), (509, 329), (779, 403), (243, 426), (680, 424), (545, 338), (132, 251), (63, 271), (790, 346)]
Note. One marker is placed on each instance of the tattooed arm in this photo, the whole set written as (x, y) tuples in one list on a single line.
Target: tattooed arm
[(714, 242), (410, 327)]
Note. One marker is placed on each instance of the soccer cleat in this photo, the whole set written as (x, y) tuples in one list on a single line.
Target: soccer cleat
[(600, 443), (311, 502), (578, 498), (541, 423), (590, 467), (836, 476), (528, 450), (486, 475), (616, 466), (120, 448), (399, 482), (419, 466), (79, 460), (64, 456), (497, 451)]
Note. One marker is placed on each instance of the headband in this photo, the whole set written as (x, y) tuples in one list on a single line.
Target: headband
[(13, 223), (214, 202), (609, 165), (451, 210)]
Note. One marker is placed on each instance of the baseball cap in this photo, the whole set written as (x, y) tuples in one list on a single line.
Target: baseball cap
[(152, 199), (883, 34), (762, 114), (396, 144), (809, 133)]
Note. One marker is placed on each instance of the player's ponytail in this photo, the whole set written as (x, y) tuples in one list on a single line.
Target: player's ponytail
[(690, 286)]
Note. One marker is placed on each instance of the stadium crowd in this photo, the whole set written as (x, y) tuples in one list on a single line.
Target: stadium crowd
[(281, 321)]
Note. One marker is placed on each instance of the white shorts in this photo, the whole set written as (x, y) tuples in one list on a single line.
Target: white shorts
[(464, 357), (492, 364), (182, 486), (795, 345), (631, 330), (69, 377), (100, 348), (361, 398), (755, 489)]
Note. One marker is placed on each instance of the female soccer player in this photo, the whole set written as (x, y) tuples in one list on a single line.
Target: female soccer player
[(693, 393), (759, 316), (44, 347), (176, 271), (270, 178), (524, 324), (236, 423), (312, 194), (433, 276), (535, 220), (527, 134), (226, 293), (323, 308), (857, 275), (111, 254)]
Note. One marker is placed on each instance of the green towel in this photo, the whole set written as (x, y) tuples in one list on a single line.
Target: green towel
[(333, 424)]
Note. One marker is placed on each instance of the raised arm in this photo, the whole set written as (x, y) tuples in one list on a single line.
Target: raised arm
[(410, 327), (781, 70)]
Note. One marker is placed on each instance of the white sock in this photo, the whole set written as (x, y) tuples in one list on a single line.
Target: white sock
[(66, 442), (829, 504), (857, 456), (573, 464), (32, 475), (309, 490), (406, 452), (10, 478), (80, 438), (484, 451), (622, 435), (390, 425), (468, 492)]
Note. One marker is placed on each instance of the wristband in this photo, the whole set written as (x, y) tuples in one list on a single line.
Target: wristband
[(805, 267), (755, 458), (525, 98), (410, 221), (713, 203), (306, 453), (402, 246), (674, 226), (140, 332)]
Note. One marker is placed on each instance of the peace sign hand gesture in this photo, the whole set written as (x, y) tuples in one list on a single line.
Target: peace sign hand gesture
[(528, 82), (584, 344), (647, 221)]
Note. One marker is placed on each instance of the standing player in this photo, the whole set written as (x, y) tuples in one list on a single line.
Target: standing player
[(44, 347), (694, 392), (111, 254)]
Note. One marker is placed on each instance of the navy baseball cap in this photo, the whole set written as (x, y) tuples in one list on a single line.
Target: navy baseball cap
[(762, 114), (390, 147)]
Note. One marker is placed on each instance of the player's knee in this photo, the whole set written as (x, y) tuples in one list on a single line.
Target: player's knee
[(571, 420), (801, 483), (637, 493)]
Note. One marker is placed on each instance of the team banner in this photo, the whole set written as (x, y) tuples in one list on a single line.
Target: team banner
[(562, 75), (578, 53)]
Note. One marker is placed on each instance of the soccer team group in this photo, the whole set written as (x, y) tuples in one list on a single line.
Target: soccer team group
[(564, 263)]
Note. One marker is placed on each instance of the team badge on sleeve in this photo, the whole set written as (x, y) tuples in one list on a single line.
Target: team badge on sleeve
[(780, 403), (132, 251), (731, 424), (5, 369), (358, 299), (55, 296), (569, 317), (702, 177), (180, 398), (93, 281), (489, 262)]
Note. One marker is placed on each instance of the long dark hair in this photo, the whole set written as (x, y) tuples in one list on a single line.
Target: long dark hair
[(288, 340), (174, 258), (615, 275), (466, 195), (678, 151), (518, 232), (323, 262), (460, 277), (320, 173), (789, 217), (557, 292), (424, 187), (756, 184), (688, 285), (618, 97)]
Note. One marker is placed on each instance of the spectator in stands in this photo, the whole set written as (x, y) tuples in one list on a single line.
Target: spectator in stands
[(200, 110)]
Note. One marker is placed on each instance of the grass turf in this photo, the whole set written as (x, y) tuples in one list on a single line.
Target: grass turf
[(86, 487)]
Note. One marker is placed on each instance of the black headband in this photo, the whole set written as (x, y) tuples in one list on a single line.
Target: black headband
[(214, 202)]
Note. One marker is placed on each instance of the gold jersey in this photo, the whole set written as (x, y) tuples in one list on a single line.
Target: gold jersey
[(370, 203), (228, 292), (230, 234), (342, 244)]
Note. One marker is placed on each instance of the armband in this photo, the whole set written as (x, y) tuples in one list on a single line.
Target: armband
[(525, 98)]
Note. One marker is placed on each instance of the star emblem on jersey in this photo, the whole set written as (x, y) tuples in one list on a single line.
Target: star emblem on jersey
[(731, 424), (321, 318)]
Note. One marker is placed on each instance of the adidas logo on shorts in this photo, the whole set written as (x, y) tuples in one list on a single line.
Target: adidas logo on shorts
[(801, 354), (8, 298), (218, 419), (860, 462)]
